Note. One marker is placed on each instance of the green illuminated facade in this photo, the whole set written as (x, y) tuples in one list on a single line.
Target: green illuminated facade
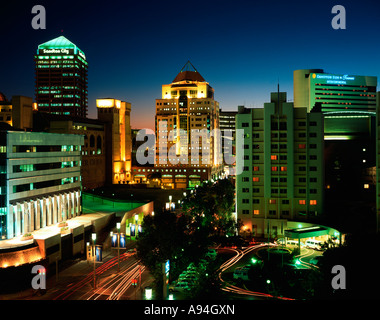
[(348, 105), (61, 78), (40, 180), (348, 102)]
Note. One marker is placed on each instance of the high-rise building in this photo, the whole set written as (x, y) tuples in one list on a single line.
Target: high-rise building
[(61, 78), (40, 181), (116, 115), (282, 166), (187, 110), (227, 121), (348, 102), (348, 105)]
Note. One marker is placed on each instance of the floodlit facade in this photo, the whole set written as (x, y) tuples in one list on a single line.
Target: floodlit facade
[(282, 175), (40, 181), (187, 110), (61, 78), (18, 112), (348, 102), (116, 115)]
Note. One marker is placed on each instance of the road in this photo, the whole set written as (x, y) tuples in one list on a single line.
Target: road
[(76, 282), (242, 257)]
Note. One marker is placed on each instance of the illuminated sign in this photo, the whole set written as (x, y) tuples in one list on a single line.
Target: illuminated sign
[(64, 51), (333, 78), (167, 266), (122, 240)]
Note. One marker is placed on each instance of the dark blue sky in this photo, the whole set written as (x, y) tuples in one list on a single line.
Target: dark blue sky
[(241, 48)]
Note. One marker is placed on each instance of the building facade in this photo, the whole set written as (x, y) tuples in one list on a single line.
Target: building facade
[(18, 112), (116, 115), (40, 180), (61, 78), (188, 148), (348, 105), (93, 152), (227, 124), (282, 174)]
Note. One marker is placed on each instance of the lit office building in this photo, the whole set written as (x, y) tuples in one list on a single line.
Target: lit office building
[(61, 78), (348, 104), (40, 181), (187, 106), (116, 115), (282, 166), (227, 130)]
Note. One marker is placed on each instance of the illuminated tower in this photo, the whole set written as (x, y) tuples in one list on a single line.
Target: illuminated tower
[(61, 78), (187, 106), (116, 115)]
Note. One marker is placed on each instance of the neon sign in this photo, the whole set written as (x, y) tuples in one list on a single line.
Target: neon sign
[(334, 79)]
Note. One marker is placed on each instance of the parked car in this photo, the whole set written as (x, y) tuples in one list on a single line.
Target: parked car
[(314, 244)]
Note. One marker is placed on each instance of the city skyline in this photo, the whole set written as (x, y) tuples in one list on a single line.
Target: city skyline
[(242, 51)]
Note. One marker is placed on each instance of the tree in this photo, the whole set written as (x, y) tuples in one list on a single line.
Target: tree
[(211, 207), (164, 236)]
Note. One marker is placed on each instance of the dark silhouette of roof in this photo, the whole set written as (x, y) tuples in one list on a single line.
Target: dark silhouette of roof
[(188, 73), (2, 97)]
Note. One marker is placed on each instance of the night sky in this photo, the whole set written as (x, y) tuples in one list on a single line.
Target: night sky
[(242, 48)]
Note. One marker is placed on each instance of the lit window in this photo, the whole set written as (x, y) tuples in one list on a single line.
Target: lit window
[(273, 157), (256, 179), (366, 186), (301, 146), (313, 202), (274, 169), (302, 201), (283, 168), (272, 201), (255, 212), (255, 168)]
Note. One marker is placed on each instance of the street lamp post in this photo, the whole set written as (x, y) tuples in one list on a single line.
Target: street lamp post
[(93, 236), (118, 246)]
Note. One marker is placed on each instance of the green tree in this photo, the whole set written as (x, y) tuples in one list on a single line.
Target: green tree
[(164, 237), (211, 208)]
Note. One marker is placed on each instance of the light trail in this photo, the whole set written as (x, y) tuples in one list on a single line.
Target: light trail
[(230, 262), (90, 276)]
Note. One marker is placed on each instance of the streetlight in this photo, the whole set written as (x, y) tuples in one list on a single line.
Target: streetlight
[(93, 236), (118, 246), (148, 293)]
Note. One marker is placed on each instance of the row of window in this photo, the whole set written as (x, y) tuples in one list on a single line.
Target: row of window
[(283, 201), (283, 125), (276, 190), (43, 184), (46, 148), (272, 212), (44, 166)]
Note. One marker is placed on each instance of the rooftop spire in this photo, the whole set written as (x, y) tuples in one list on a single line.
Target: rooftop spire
[(189, 73)]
